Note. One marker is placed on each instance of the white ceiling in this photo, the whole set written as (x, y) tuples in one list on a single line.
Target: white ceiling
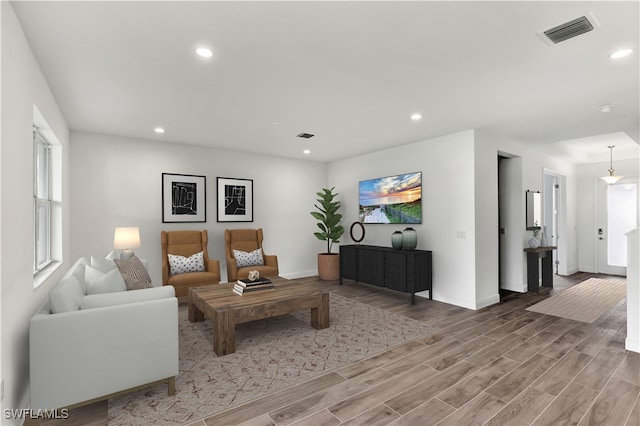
[(351, 73)]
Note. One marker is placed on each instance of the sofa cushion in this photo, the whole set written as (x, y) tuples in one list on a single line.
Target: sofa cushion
[(252, 258), (134, 273), (98, 282), (181, 264), (123, 297), (67, 295)]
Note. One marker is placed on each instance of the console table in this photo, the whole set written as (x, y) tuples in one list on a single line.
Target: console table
[(533, 267), (408, 271)]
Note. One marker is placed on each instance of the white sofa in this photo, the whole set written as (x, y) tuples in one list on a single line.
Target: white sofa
[(86, 347)]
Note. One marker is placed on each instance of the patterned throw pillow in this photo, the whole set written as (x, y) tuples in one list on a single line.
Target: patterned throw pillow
[(252, 258), (134, 274), (180, 264)]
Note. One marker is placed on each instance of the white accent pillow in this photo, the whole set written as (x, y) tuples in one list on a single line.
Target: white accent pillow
[(248, 258), (102, 264), (180, 264), (67, 295), (98, 282)]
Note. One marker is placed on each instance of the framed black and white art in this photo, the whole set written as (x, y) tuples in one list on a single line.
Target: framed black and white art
[(235, 200), (184, 198)]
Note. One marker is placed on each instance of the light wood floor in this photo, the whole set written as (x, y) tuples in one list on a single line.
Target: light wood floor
[(501, 365)]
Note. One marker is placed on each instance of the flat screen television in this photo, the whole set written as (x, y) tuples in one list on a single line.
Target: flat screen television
[(391, 199)]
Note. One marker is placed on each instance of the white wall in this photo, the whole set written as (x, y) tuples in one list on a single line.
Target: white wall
[(534, 161), (447, 166), (23, 86), (588, 180), (460, 208), (116, 181)]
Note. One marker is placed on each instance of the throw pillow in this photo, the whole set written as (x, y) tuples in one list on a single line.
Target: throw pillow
[(134, 274), (251, 258), (98, 282), (180, 264), (102, 264)]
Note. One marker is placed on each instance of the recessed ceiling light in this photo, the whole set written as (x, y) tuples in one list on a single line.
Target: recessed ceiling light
[(606, 108), (159, 130), (416, 116), (621, 53), (204, 52), (306, 151)]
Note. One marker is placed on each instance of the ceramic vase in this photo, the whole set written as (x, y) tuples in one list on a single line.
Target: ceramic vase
[(409, 239), (534, 242), (396, 240), (543, 238)]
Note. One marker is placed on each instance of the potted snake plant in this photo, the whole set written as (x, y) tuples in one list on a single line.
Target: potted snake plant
[(330, 232)]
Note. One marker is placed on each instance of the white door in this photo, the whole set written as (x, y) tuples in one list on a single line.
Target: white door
[(617, 215)]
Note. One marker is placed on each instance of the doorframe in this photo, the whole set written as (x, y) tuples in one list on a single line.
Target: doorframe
[(600, 188), (561, 253)]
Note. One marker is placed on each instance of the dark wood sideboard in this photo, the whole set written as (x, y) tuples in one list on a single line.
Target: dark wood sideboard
[(533, 267), (408, 271)]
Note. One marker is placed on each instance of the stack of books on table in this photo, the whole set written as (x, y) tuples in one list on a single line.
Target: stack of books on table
[(248, 286)]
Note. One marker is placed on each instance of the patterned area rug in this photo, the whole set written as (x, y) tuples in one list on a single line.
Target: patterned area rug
[(270, 354), (584, 302)]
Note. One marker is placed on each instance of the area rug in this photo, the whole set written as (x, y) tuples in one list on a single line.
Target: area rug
[(585, 302), (271, 354)]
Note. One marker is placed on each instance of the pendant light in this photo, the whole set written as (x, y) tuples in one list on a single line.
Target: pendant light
[(611, 178)]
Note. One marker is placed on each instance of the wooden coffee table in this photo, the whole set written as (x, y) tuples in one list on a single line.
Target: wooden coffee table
[(225, 309)]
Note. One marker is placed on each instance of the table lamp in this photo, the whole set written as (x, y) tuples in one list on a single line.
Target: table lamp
[(126, 239)]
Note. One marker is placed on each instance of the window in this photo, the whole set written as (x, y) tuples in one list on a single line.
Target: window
[(47, 200), (42, 202)]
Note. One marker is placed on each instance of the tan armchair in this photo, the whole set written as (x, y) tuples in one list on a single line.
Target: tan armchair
[(187, 243), (247, 240)]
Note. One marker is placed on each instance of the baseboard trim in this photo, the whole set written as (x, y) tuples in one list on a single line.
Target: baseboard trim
[(632, 345), (296, 275), (488, 301)]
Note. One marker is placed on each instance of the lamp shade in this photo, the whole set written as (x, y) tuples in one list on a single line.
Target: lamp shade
[(611, 179), (126, 238)]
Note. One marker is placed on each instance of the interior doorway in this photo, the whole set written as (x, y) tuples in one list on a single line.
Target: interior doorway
[(511, 230)]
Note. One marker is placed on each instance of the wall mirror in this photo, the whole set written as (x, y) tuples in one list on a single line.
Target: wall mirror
[(534, 210)]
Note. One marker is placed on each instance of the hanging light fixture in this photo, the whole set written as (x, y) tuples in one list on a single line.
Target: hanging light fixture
[(611, 178)]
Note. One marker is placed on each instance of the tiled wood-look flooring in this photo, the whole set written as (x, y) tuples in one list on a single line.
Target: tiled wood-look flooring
[(501, 365)]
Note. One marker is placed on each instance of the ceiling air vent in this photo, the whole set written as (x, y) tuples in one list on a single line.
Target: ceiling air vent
[(570, 29), (305, 135)]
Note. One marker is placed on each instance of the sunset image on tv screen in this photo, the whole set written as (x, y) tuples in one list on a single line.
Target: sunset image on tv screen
[(391, 199)]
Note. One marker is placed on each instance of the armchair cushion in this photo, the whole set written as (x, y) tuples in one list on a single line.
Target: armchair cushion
[(253, 258), (181, 264), (193, 279), (134, 273)]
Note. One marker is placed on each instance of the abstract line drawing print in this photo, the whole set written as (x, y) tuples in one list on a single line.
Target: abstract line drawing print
[(184, 199), (235, 202)]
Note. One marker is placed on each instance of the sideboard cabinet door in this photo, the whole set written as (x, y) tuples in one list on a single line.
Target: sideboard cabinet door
[(371, 266), (395, 270), (349, 262)]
